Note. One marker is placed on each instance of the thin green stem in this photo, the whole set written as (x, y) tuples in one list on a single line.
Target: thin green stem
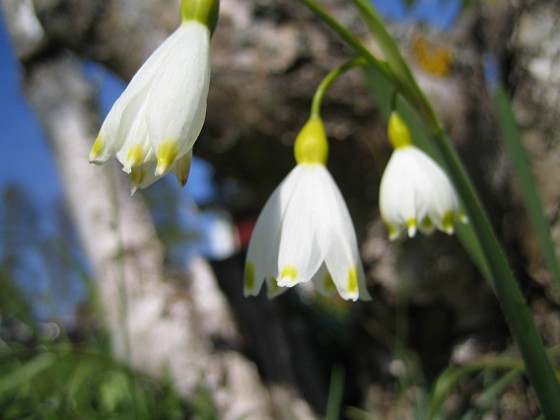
[(336, 391), (398, 66), (351, 40), (328, 80)]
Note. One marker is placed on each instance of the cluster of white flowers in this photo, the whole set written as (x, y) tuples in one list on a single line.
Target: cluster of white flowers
[(305, 232)]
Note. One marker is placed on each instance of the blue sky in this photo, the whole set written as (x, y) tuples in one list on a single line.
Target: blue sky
[(438, 13), (24, 154)]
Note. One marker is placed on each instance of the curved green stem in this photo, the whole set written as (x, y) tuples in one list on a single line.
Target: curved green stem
[(351, 40), (398, 66), (328, 80)]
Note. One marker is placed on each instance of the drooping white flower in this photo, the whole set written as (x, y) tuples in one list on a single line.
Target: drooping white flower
[(415, 193), (305, 231), (154, 124)]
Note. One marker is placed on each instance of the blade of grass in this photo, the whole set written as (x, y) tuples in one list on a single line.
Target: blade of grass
[(336, 391), (27, 371), (529, 191), (490, 393), (450, 377)]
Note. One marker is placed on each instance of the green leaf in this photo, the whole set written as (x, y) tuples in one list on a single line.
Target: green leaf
[(528, 187), (336, 391), (25, 373)]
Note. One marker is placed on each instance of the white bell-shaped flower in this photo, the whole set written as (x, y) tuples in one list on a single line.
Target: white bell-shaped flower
[(305, 231), (154, 124), (415, 193)]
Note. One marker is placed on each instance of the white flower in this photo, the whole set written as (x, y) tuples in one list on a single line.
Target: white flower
[(305, 233), (415, 193), (154, 124)]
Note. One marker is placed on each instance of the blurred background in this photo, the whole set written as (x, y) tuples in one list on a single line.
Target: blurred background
[(114, 306)]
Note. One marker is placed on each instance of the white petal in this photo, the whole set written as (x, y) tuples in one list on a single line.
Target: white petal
[(262, 254), (272, 288), (142, 176), (182, 167), (299, 254), (398, 199), (126, 108), (443, 202), (177, 106), (136, 148), (337, 238), (262, 246), (323, 282)]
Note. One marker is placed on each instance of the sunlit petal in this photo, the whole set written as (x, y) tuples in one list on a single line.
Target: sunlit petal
[(156, 120), (176, 109), (415, 193), (309, 238), (299, 253), (338, 240), (262, 254)]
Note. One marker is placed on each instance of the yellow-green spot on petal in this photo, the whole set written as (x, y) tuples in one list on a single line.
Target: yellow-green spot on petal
[(182, 169), (352, 280), (411, 224), (311, 146), (273, 285), (328, 283), (96, 149), (135, 155), (289, 271), (392, 231), (427, 223), (447, 221), (249, 278), (398, 132), (166, 155), (137, 175)]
